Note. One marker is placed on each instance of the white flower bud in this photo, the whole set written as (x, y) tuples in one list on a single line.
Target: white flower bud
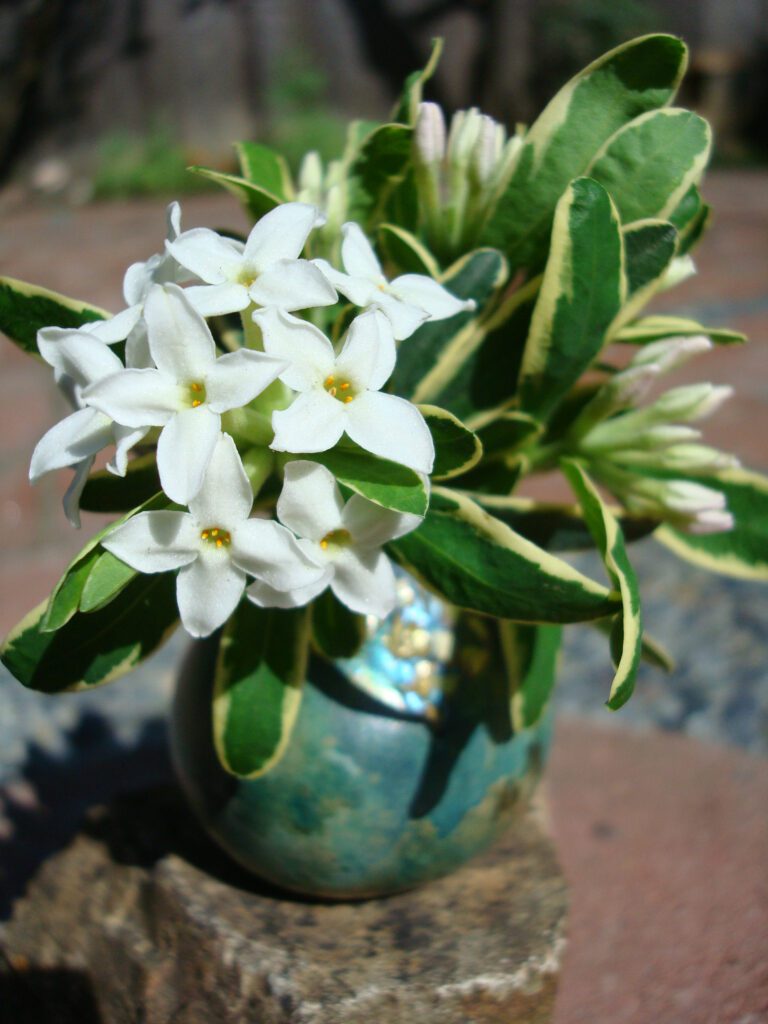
[(680, 269), (711, 521), (691, 498), (429, 134), (310, 179), (487, 149), (690, 403), (669, 353), (463, 136)]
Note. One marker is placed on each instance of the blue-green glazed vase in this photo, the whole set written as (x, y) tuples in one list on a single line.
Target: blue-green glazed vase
[(402, 764)]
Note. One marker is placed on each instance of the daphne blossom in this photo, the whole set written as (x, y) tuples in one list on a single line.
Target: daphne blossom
[(344, 540), (265, 270), (407, 301), (80, 360), (187, 391), (341, 393), (215, 546)]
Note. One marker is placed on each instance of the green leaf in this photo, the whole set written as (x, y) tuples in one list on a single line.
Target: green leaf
[(435, 353), (532, 660), (256, 200), (649, 248), (475, 561), (649, 164), (25, 309), (105, 581), (640, 75), (740, 552), (337, 632), (580, 295), (508, 432), (378, 167), (90, 650), (257, 693), (457, 449), (652, 328), (66, 595), (627, 636), (263, 167), (385, 483), (408, 105), (406, 252), (105, 492), (652, 652), (690, 217), (557, 527)]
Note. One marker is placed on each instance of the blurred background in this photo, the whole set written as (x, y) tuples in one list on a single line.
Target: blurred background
[(103, 105), (103, 98)]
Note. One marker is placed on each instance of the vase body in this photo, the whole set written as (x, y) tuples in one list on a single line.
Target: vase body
[(370, 799)]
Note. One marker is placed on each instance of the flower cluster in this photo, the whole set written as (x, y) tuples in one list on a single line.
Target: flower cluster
[(180, 395)]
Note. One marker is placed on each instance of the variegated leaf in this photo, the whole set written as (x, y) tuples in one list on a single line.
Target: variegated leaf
[(26, 308)]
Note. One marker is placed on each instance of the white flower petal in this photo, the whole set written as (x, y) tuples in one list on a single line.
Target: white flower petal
[(313, 423), (357, 254), (155, 541), (310, 503), (236, 378), (265, 549), (281, 234), (73, 439), (391, 428), (306, 350), (116, 328), (184, 450), (136, 282), (137, 354), (180, 341), (71, 500), (137, 398), (225, 498), (292, 284), (77, 354), (218, 299), (405, 319), (208, 591), (172, 221), (372, 526), (422, 291), (359, 290), (270, 597), (212, 258), (369, 352), (365, 582), (125, 439)]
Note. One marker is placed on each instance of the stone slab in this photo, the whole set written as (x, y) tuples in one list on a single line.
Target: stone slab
[(140, 919)]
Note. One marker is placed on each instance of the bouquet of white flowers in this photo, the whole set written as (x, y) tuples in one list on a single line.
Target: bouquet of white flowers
[(403, 336)]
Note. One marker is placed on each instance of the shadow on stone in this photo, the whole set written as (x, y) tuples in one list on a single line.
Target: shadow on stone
[(54, 996)]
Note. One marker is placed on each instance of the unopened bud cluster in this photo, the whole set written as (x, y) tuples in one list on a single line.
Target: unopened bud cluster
[(460, 173), (635, 452)]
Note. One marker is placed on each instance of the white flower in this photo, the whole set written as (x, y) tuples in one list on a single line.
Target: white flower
[(214, 546), (341, 393), (265, 271), (80, 360), (407, 301), (345, 540), (186, 393), (128, 325)]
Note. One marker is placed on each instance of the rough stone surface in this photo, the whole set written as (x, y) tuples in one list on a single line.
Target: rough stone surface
[(139, 919)]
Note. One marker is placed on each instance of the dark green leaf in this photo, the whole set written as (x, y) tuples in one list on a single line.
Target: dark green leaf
[(105, 492), (25, 309), (457, 449), (408, 104), (256, 200), (263, 167), (386, 483), (475, 561), (259, 673), (337, 631), (379, 165), (534, 651)]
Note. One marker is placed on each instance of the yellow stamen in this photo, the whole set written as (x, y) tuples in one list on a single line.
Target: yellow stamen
[(337, 538), (345, 386), (215, 535), (347, 399)]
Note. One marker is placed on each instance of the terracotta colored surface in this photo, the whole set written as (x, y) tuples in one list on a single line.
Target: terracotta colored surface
[(664, 842)]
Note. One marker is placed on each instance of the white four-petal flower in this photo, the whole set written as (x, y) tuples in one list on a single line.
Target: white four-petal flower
[(187, 391), (407, 301), (344, 539), (79, 360), (341, 393), (215, 546), (265, 270)]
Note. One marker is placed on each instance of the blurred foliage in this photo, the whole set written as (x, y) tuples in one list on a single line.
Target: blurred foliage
[(301, 118), (155, 164)]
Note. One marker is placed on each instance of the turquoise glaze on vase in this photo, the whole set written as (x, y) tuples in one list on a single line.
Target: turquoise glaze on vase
[(402, 764)]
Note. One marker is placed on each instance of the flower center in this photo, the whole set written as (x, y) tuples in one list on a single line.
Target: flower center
[(339, 389), (216, 536), (336, 539), (196, 393), (247, 275)]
